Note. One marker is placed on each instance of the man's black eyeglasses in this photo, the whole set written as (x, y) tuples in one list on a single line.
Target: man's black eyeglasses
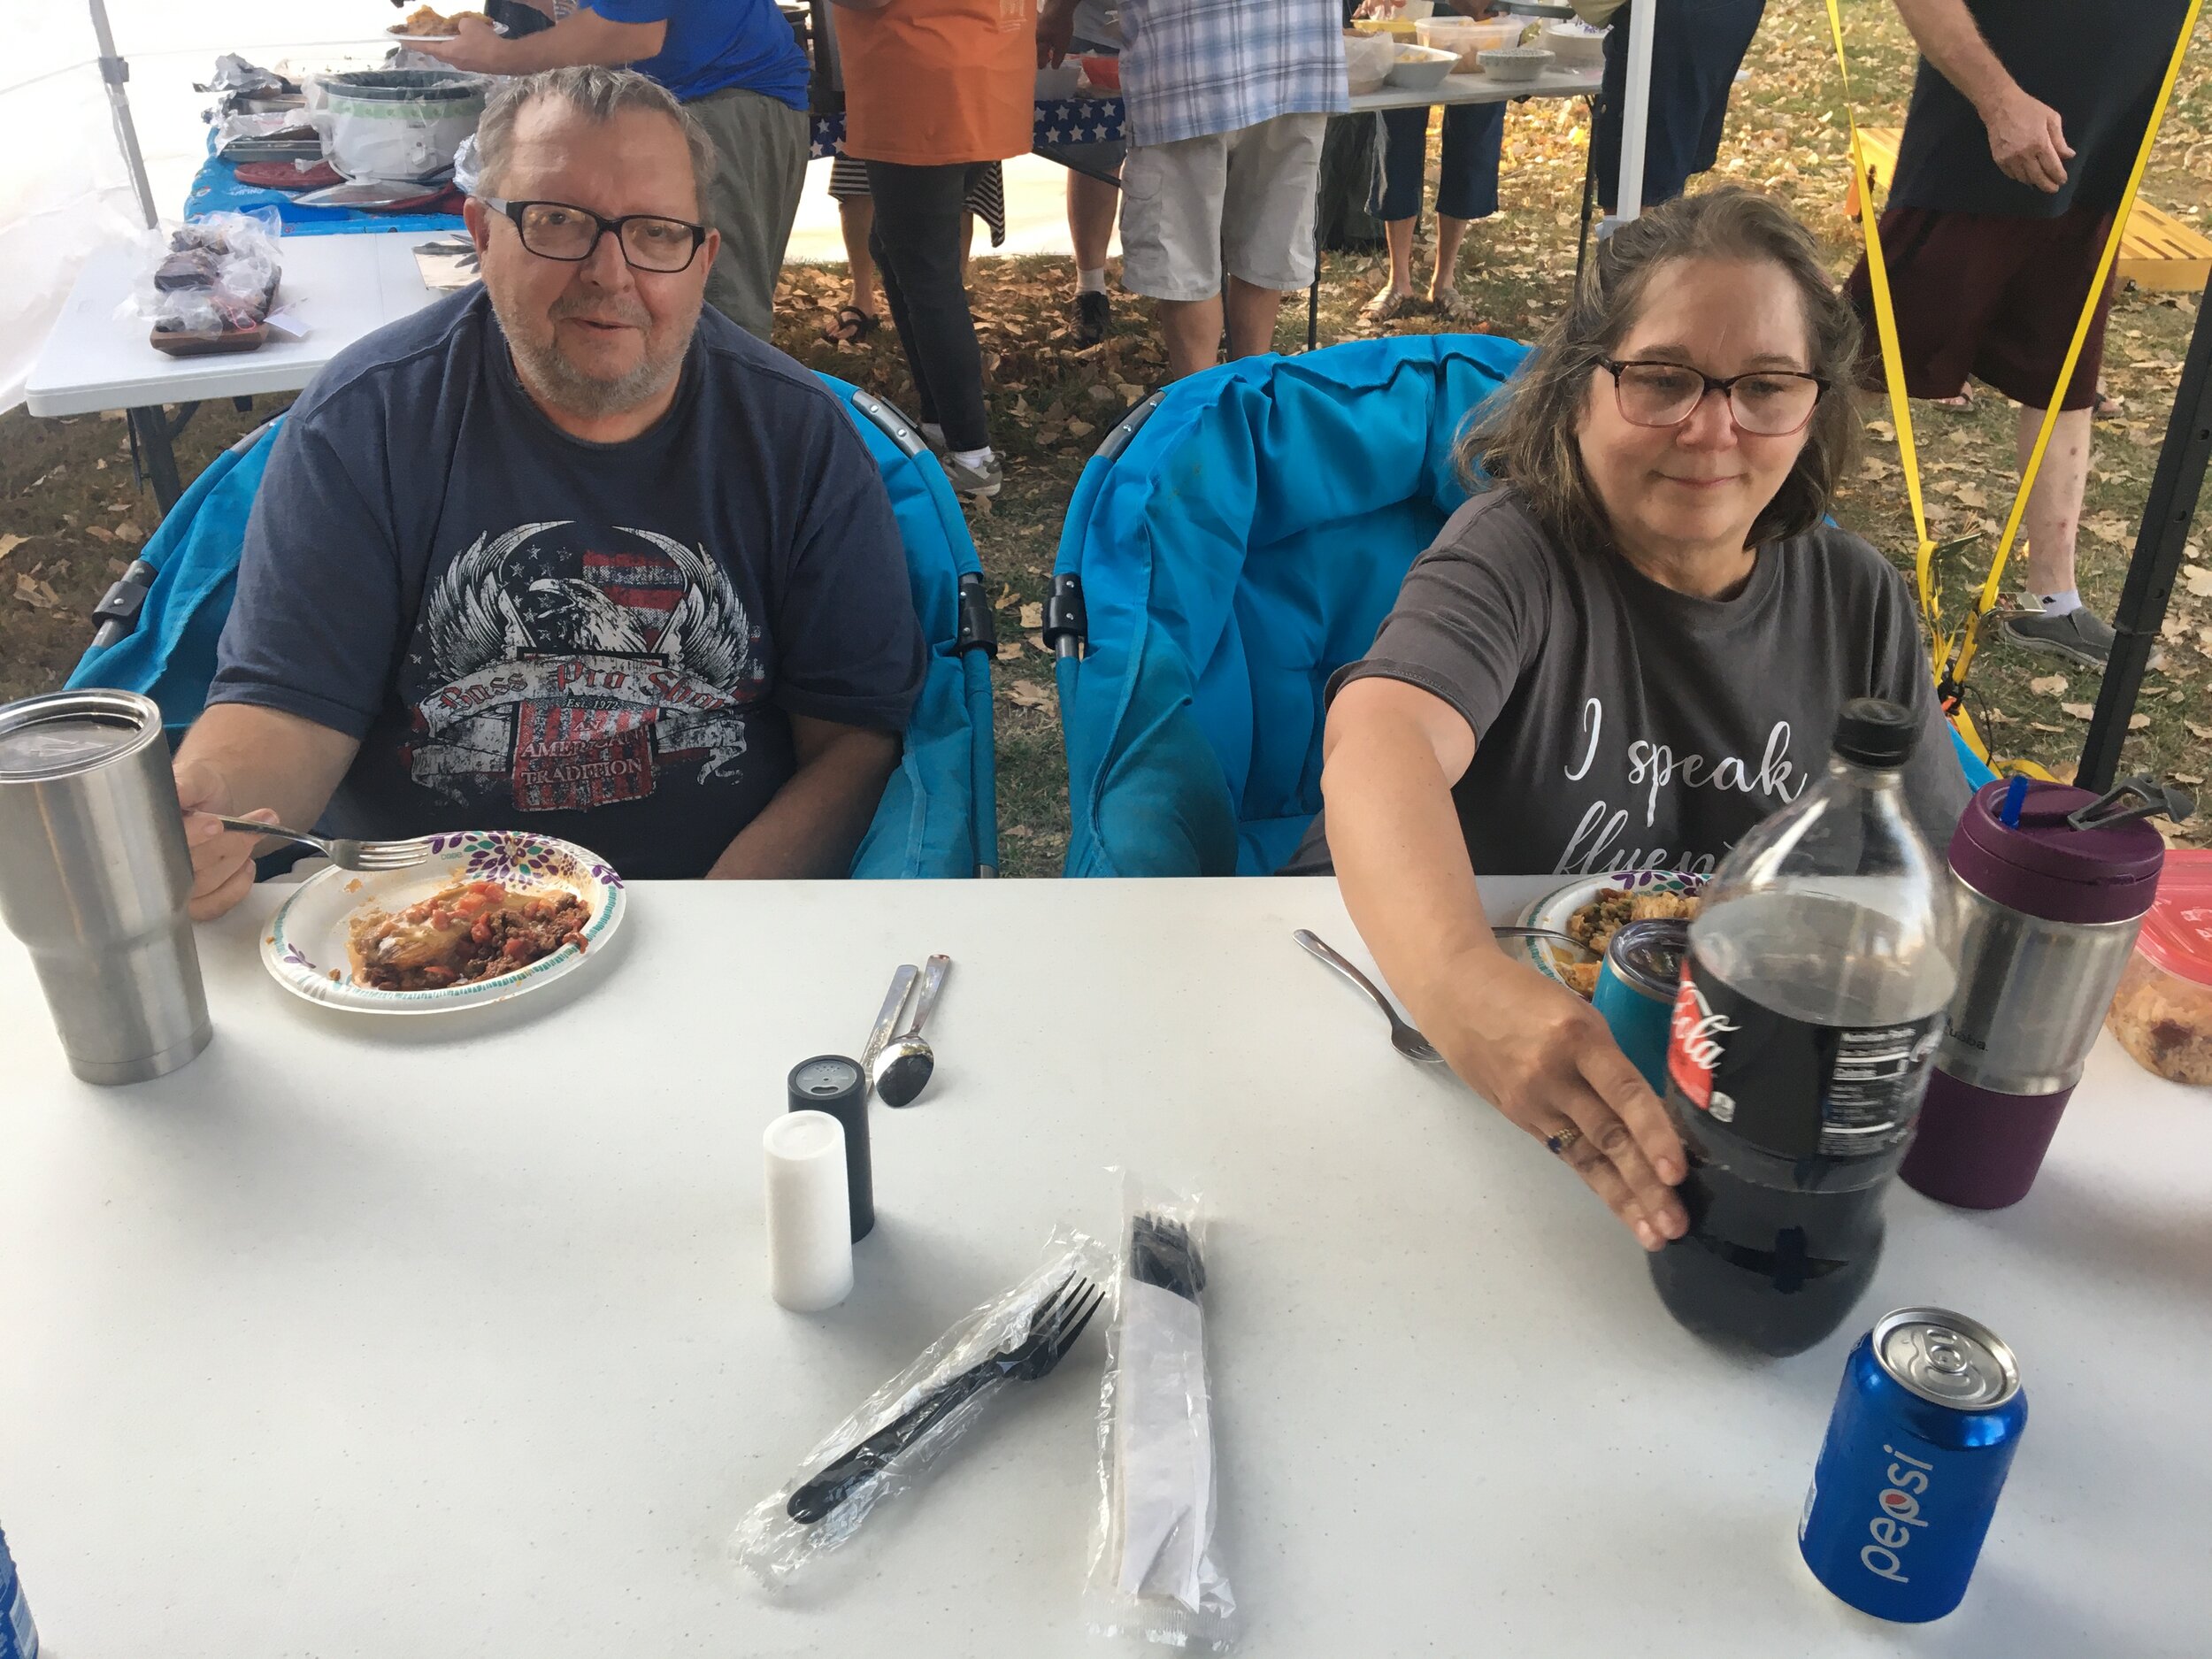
[(560, 230), (1766, 403)]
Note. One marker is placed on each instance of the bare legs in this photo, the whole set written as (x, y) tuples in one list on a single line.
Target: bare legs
[(1193, 327), (1092, 204), (856, 218), (2053, 516)]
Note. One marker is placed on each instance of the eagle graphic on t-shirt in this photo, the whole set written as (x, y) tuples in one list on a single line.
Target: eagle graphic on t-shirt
[(568, 666)]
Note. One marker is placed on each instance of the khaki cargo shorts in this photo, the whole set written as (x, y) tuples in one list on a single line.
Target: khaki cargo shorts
[(1242, 200)]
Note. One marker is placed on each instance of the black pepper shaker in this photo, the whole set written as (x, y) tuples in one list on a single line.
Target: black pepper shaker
[(832, 1083)]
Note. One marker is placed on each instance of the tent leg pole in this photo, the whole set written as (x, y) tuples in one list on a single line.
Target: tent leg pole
[(1589, 186), (2167, 513), (1635, 111), (113, 72), (153, 431)]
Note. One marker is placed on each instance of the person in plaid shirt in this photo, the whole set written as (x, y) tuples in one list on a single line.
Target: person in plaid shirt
[(1225, 103)]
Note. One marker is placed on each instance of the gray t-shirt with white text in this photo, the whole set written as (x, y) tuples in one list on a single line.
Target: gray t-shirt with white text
[(1622, 726)]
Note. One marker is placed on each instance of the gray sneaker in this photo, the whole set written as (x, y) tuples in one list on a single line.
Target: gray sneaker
[(973, 481), (2081, 635)]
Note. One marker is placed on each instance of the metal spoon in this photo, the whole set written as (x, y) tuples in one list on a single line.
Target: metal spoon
[(1403, 1038), (902, 1070), (887, 1018)]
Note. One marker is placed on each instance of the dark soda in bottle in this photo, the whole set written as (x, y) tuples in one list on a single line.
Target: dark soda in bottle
[(1811, 1002)]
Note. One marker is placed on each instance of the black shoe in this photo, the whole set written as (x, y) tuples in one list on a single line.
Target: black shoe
[(2080, 635), (1093, 313)]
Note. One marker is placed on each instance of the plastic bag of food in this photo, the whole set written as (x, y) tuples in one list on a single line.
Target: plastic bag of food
[(898, 1432), (209, 283), (1154, 1570)]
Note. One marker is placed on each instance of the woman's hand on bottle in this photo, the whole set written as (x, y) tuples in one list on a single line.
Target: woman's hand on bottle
[(1544, 1058)]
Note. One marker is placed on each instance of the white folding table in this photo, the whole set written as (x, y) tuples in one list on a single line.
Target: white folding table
[(340, 286), (1553, 84), (450, 1336)]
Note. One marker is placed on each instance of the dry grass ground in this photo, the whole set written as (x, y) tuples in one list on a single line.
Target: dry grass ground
[(67, 492)]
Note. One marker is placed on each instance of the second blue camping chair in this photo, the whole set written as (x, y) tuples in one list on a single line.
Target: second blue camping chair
[(1239, 537), (161, 624)]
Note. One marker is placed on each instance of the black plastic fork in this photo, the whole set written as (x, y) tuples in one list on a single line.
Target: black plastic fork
[(1059, 1319)]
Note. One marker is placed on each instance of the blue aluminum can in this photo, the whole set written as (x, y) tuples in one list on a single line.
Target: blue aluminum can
[(1925, 1428), (1636, 988), (19, 1636)]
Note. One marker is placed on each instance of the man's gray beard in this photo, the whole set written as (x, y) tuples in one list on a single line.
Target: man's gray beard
[(550, 374)]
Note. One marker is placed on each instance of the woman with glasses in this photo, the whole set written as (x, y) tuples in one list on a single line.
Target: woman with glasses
[(1628, 647)]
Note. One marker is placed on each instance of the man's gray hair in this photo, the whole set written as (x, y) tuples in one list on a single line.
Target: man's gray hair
[(597, 94)]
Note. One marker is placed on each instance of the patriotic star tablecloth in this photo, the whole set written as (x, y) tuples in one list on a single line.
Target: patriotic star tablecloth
[(1059, 121)]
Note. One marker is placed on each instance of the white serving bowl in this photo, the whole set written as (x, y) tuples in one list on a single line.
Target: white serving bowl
[(1418, 68)]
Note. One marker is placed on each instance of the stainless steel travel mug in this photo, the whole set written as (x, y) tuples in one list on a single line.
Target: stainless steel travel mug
[(94, 876)]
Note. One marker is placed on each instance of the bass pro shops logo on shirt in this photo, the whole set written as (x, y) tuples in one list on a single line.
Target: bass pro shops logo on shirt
[(568, 666)]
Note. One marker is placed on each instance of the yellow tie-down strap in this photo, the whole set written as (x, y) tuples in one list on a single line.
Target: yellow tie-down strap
[(1953, 649)]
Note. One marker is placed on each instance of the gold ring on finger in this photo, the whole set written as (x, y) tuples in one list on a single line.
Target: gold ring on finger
[(1557, 1143)]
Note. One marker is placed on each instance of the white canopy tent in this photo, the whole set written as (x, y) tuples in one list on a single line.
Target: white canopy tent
[(67, 187), (92, 161)]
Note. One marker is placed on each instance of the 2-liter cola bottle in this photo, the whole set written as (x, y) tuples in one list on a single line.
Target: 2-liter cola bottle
[(1810, 1005)]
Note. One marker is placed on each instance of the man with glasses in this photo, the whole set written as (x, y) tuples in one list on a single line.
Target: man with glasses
[(566, 553), (737, 67)]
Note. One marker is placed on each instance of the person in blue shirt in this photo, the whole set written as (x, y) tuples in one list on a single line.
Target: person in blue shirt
[(737, 67)]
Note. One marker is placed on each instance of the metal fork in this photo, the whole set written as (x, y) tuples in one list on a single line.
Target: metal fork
[(346, 854), (1403, 1038), (1059, 1319)]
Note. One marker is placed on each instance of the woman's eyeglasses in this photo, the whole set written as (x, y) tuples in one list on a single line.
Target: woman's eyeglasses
[(1766, 403), (557, 230)]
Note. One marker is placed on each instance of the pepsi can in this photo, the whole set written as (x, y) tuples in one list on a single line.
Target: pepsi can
[(19, 1636), (1924, 1427)]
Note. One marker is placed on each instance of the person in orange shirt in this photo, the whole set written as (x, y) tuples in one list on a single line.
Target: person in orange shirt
[(933, 90)]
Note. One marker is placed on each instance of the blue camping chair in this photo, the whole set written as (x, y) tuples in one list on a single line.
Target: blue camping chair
[(1237, 538), (159, 625)]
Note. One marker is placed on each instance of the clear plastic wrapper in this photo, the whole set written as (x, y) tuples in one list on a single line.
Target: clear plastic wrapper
[(947, 1400), (212, 277), (1155, 1571)]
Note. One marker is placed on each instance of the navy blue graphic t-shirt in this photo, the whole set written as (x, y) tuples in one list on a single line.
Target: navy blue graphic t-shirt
[(602, 642)]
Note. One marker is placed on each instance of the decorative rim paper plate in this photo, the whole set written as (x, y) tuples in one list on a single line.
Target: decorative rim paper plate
[(308, 938), (1556, 909), (403, 36)]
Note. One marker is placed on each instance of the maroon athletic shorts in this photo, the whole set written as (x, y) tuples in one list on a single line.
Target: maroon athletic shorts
[(1991, 297)]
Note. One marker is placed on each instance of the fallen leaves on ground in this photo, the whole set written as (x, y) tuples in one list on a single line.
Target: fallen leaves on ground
[(2079, 710), (2049, 686), (9, 543), (1026, 693)]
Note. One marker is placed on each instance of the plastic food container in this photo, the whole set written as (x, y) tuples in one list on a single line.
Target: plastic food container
[(1102, 70), (1468, 38), (2162, 1012), (1420, 67), (1516, 63), (1058, 81), (1576, 44), (1395, 28)]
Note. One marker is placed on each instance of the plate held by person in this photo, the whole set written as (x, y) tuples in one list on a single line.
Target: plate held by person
[(309, 944)]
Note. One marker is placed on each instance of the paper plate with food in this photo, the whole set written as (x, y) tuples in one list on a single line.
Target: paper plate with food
[(1591, 909), (492, 914), (424, 23)]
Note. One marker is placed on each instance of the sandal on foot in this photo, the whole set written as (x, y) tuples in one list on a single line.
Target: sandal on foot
[(1387, 306), (1963, 403), (852, 326)]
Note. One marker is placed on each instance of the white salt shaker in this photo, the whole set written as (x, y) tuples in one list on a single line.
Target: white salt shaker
[(810, 1212)]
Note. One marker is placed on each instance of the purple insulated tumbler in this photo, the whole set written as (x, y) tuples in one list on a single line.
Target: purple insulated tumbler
[(2052, 888)]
